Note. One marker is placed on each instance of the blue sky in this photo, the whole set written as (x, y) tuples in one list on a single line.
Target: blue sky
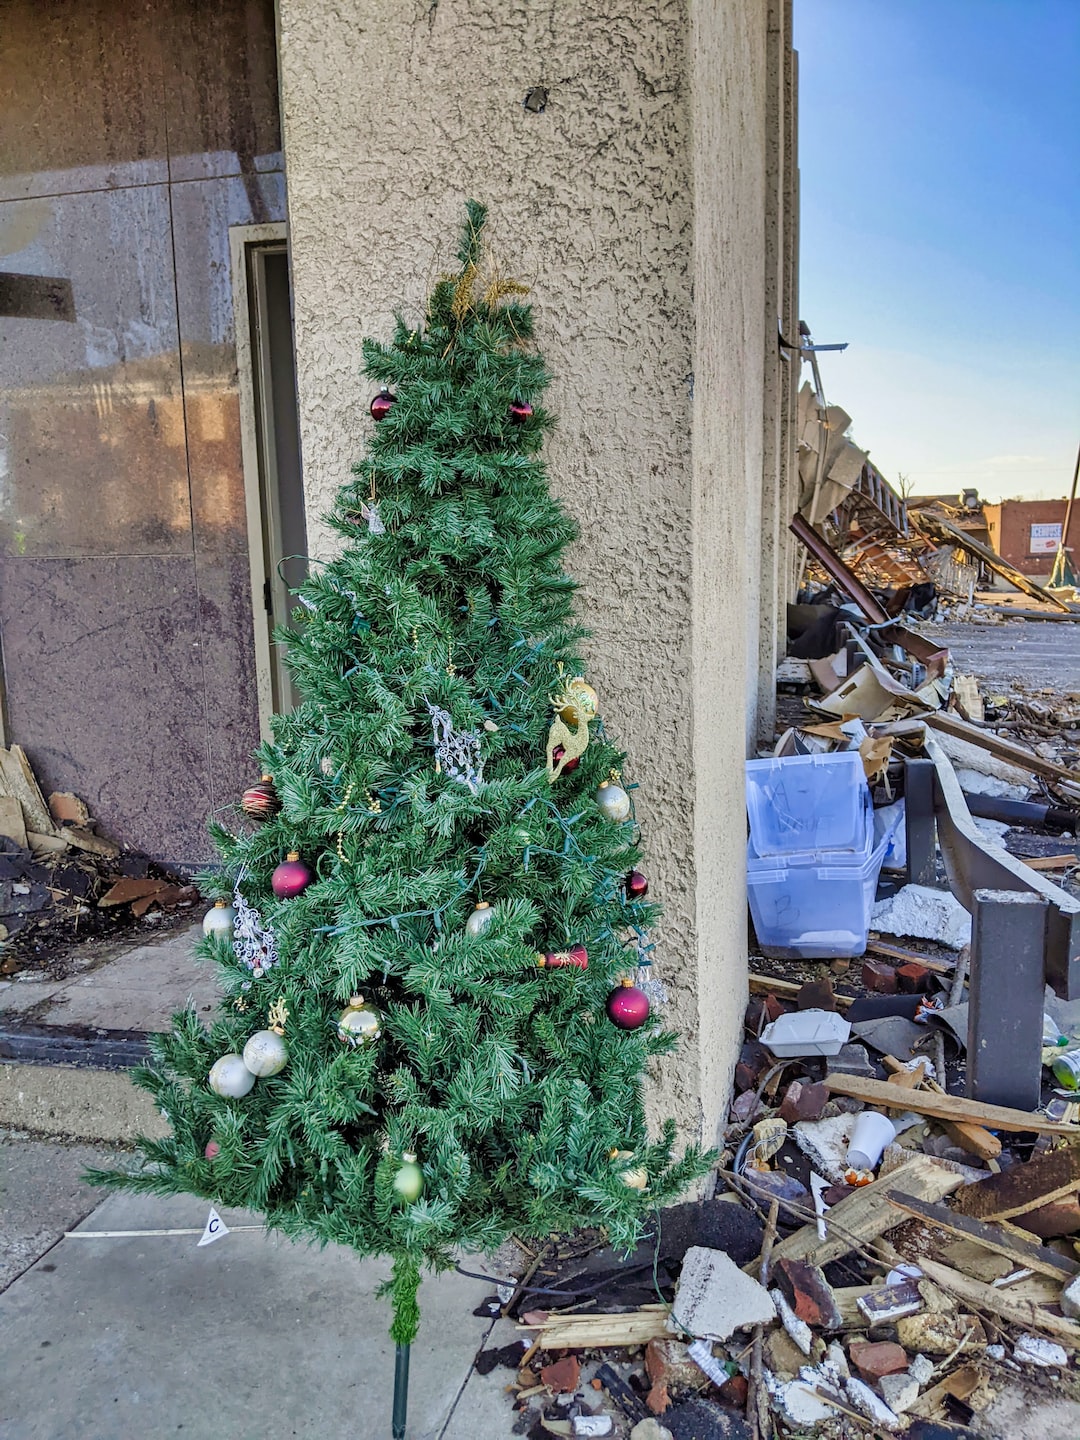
[(939, 144)]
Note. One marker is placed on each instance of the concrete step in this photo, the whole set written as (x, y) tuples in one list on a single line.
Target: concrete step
[(66, 1044)]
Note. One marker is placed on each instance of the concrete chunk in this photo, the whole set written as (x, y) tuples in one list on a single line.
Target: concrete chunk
[(715, 1298)]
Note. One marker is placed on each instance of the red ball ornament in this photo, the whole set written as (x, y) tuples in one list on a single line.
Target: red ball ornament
[(520, 410), (291, 877), (637, 885), (213, 1150), (628, 1007), (570, 766), (261, 801), (382, 404), (577, 958)]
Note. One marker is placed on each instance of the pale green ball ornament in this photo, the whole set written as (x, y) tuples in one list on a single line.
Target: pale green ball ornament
[(613, 801), (266, 1053), (219, 920), (480, 919), (230, 1077), (409, 1180)]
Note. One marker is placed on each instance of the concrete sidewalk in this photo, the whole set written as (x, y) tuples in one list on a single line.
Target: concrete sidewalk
[(250, 1338)]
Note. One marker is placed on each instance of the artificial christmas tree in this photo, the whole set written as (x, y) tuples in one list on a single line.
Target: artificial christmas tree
[(436, 895)]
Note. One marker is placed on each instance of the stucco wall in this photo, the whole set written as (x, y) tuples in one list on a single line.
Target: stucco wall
[(393, 115)]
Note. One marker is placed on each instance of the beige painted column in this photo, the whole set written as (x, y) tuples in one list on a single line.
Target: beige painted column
[(648, 311)]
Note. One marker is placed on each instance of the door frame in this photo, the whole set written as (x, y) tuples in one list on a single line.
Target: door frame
[(256, 441)]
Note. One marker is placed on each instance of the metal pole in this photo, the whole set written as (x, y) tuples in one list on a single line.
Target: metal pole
[(1057, 574), (1006, 987), (401, 1390), (919, 822)]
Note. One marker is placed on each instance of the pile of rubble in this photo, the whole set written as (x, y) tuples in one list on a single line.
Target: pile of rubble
[(61, 881), (813, 1295)]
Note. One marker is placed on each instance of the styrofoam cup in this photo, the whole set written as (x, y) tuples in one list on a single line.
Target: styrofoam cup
[(870, 1134)]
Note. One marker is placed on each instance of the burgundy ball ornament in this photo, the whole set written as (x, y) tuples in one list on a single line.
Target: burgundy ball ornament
[(520, 410), (627, 1006), (291, 878), (570, 766), (637, 885), (383, 403), (261, 801)]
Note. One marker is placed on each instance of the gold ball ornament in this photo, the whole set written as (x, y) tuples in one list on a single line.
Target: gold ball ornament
[(409, 1180), (581, 702), (636, 1179), (359, 1023), (266, 1053), (230, 1077), (613, 801), (480, 919), (219, 920)]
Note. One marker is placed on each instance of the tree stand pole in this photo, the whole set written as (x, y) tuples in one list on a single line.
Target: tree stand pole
[(401, 1390)]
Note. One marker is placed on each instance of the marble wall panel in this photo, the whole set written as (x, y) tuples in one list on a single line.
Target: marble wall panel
[(80, 96), (93, 455), (104, 660)]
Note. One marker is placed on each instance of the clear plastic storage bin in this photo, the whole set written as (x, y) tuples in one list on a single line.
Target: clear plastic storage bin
[(812, 906), (808, 802)]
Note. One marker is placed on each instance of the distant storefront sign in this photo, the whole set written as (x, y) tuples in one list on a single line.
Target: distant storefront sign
[(1045, 539)]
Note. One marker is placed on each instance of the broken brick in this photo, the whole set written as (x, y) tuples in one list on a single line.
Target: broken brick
[(803, 1100), (735, 1391), (808, 1293), (658, 1400), (913, 978), (816, 995), (873, 1360), (774, 1008), (746, 1107), (753, 1061), (879, 977), (68, 809), (562, 1376)]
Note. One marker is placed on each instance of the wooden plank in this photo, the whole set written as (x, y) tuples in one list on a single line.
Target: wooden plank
[(1034, 1257), (12, 823), (1003, 749), (950, 1107), (786, 989), (997, 1301), (17, 779), (866, 1215), (575, 1332), (1023, 1188), (975, 1139), (1050, 862), (897, 952)]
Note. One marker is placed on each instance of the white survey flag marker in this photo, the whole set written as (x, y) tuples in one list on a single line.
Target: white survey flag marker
[(214, 1229)]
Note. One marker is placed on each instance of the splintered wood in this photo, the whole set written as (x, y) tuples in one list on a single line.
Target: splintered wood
[(949, 1107), (17, 781), (866, 1214), (579, 1332)]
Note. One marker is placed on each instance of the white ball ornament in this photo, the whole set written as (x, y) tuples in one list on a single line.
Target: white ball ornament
[(219, 920), (266, 1053), (230, 1077), (479, 919), (613, 801)]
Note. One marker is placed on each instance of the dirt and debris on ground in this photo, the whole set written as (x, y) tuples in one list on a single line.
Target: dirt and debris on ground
[(882, 1255), (62, 883)]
